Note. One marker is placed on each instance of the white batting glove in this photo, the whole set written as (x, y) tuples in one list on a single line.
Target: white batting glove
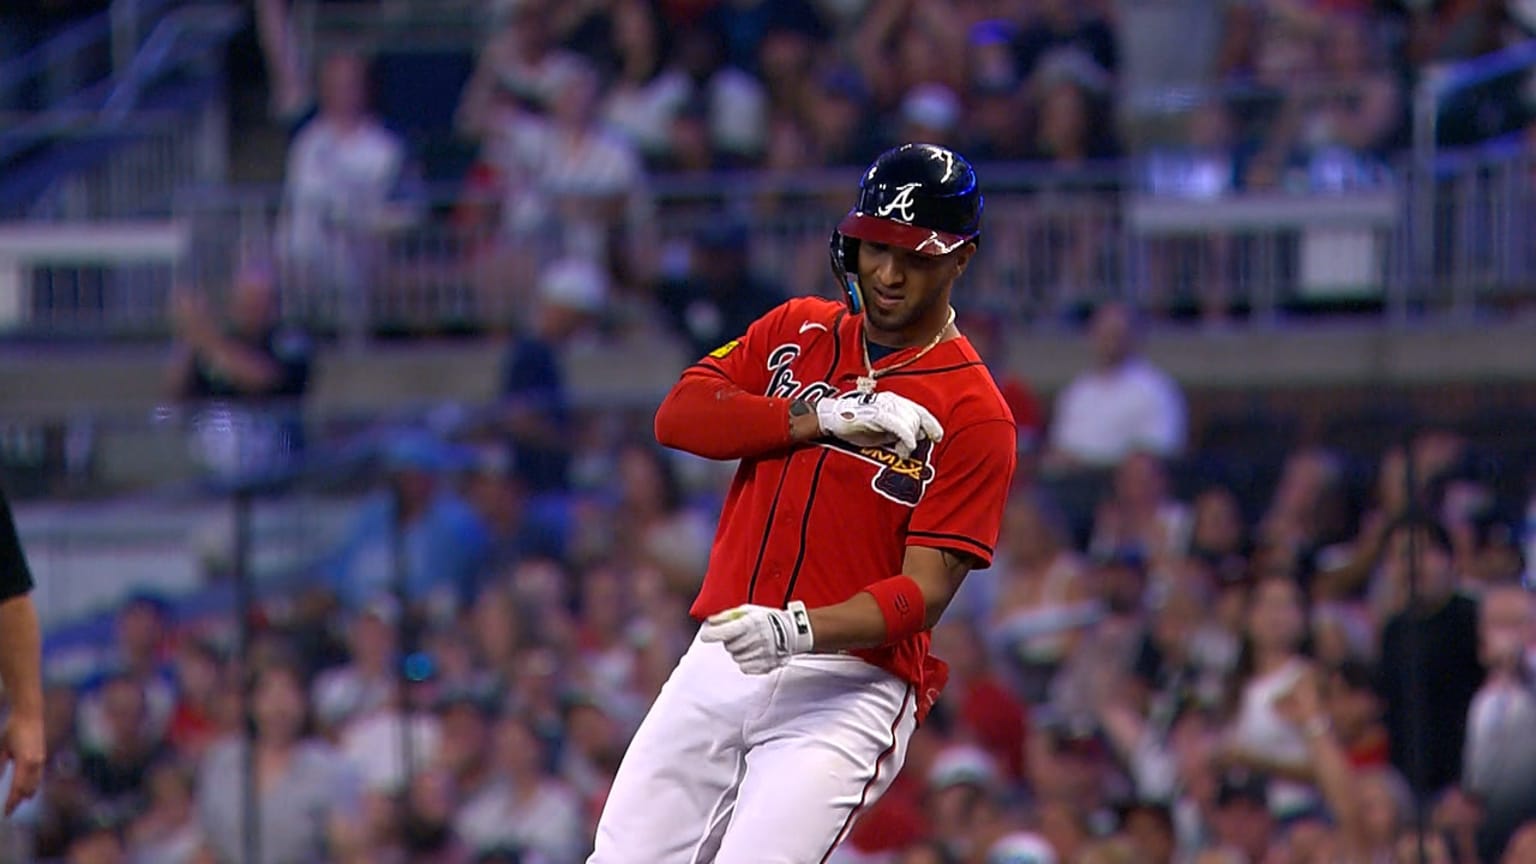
[(881, 418), (761, 638)]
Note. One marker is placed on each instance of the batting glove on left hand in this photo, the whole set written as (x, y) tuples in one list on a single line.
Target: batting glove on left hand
[(761, 638), (876, 419)]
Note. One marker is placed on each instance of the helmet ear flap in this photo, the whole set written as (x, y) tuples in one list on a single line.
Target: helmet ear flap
[(844, 252)]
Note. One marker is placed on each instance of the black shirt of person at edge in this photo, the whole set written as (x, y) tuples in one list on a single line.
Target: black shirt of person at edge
[(15, 577), (244, 354), (286, 348), (253, 327)]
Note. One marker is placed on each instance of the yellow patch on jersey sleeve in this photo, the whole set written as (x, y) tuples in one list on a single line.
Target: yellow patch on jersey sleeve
[(723, 350)]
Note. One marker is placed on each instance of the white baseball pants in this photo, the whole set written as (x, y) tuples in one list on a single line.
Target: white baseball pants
[(733, 768)]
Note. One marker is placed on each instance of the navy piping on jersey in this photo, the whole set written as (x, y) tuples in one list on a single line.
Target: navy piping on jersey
[(805, 524), (954, 538), (810, 498), (762, 548), (900, 372), (885, 754), (773, 507)]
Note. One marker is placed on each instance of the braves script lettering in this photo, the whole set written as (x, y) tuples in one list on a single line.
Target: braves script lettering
[(783, 384), (898, 479), (781, 380)]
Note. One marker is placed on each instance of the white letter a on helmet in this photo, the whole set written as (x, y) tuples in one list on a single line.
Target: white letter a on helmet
[(902, 202)]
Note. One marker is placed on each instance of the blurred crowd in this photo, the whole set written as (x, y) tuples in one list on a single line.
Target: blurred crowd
[(700, 85), (1159, 667), (428, 181), (575, 113)]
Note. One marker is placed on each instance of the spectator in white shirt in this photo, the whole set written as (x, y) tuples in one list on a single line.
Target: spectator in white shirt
[(521, 60), (374, 746), (343, 167), (666, 75), (1141, 513), (367, 683), (526, 808), (1122, 405), (565, 179), (646, 93), (309, 794), (1499, 769)]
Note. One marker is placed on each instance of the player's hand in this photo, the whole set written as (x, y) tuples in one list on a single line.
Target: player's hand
[(761, 638), (23, 749), (878, 419)]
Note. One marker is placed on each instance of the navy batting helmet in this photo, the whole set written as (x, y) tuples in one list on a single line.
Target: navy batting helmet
[(920, 197)]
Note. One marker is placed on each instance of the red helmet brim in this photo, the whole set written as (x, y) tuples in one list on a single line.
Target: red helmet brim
[(899, 234)]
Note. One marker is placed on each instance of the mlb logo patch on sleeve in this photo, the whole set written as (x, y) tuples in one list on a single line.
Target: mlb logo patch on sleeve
[(719, 353)]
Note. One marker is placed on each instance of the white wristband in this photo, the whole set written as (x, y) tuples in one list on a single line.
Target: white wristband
[(803, 640)]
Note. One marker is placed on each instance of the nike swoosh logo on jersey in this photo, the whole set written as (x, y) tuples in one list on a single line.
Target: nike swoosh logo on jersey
[(811, 325)]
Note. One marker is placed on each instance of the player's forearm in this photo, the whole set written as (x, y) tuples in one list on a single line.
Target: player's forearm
[(708, 416), (860, 622), (21, 656), (852, 624)]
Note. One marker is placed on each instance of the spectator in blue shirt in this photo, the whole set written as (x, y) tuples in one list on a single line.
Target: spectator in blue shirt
[(537, 417), (445, 542)]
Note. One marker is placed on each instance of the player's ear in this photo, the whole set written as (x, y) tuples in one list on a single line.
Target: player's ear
[(963, 257)]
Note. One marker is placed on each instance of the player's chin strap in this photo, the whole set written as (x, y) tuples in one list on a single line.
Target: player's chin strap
[(842, 246)]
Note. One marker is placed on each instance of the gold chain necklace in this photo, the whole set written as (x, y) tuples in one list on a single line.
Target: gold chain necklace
[(866, 382)]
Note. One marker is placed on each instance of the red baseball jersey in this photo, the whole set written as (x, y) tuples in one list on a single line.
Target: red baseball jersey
[(819, 522)]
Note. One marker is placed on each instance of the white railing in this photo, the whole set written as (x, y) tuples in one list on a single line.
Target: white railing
[(1048, 249), (80, 278), (1442, 225), (152, 156), (440, 261)]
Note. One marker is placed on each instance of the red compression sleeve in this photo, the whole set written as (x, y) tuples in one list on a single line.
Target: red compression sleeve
[(901, 603), (708, 416)]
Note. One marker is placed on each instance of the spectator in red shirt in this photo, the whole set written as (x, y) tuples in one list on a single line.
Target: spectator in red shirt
[(989, 335), (899, 819), (986, 712), (1355, 711), (195, 718)]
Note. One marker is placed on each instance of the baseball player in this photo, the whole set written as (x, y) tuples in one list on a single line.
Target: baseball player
[(876, 454)]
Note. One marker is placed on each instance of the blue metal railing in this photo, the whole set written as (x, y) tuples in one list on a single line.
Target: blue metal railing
[(178, 38), (100, 35), (148, 98), (91, 33)]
